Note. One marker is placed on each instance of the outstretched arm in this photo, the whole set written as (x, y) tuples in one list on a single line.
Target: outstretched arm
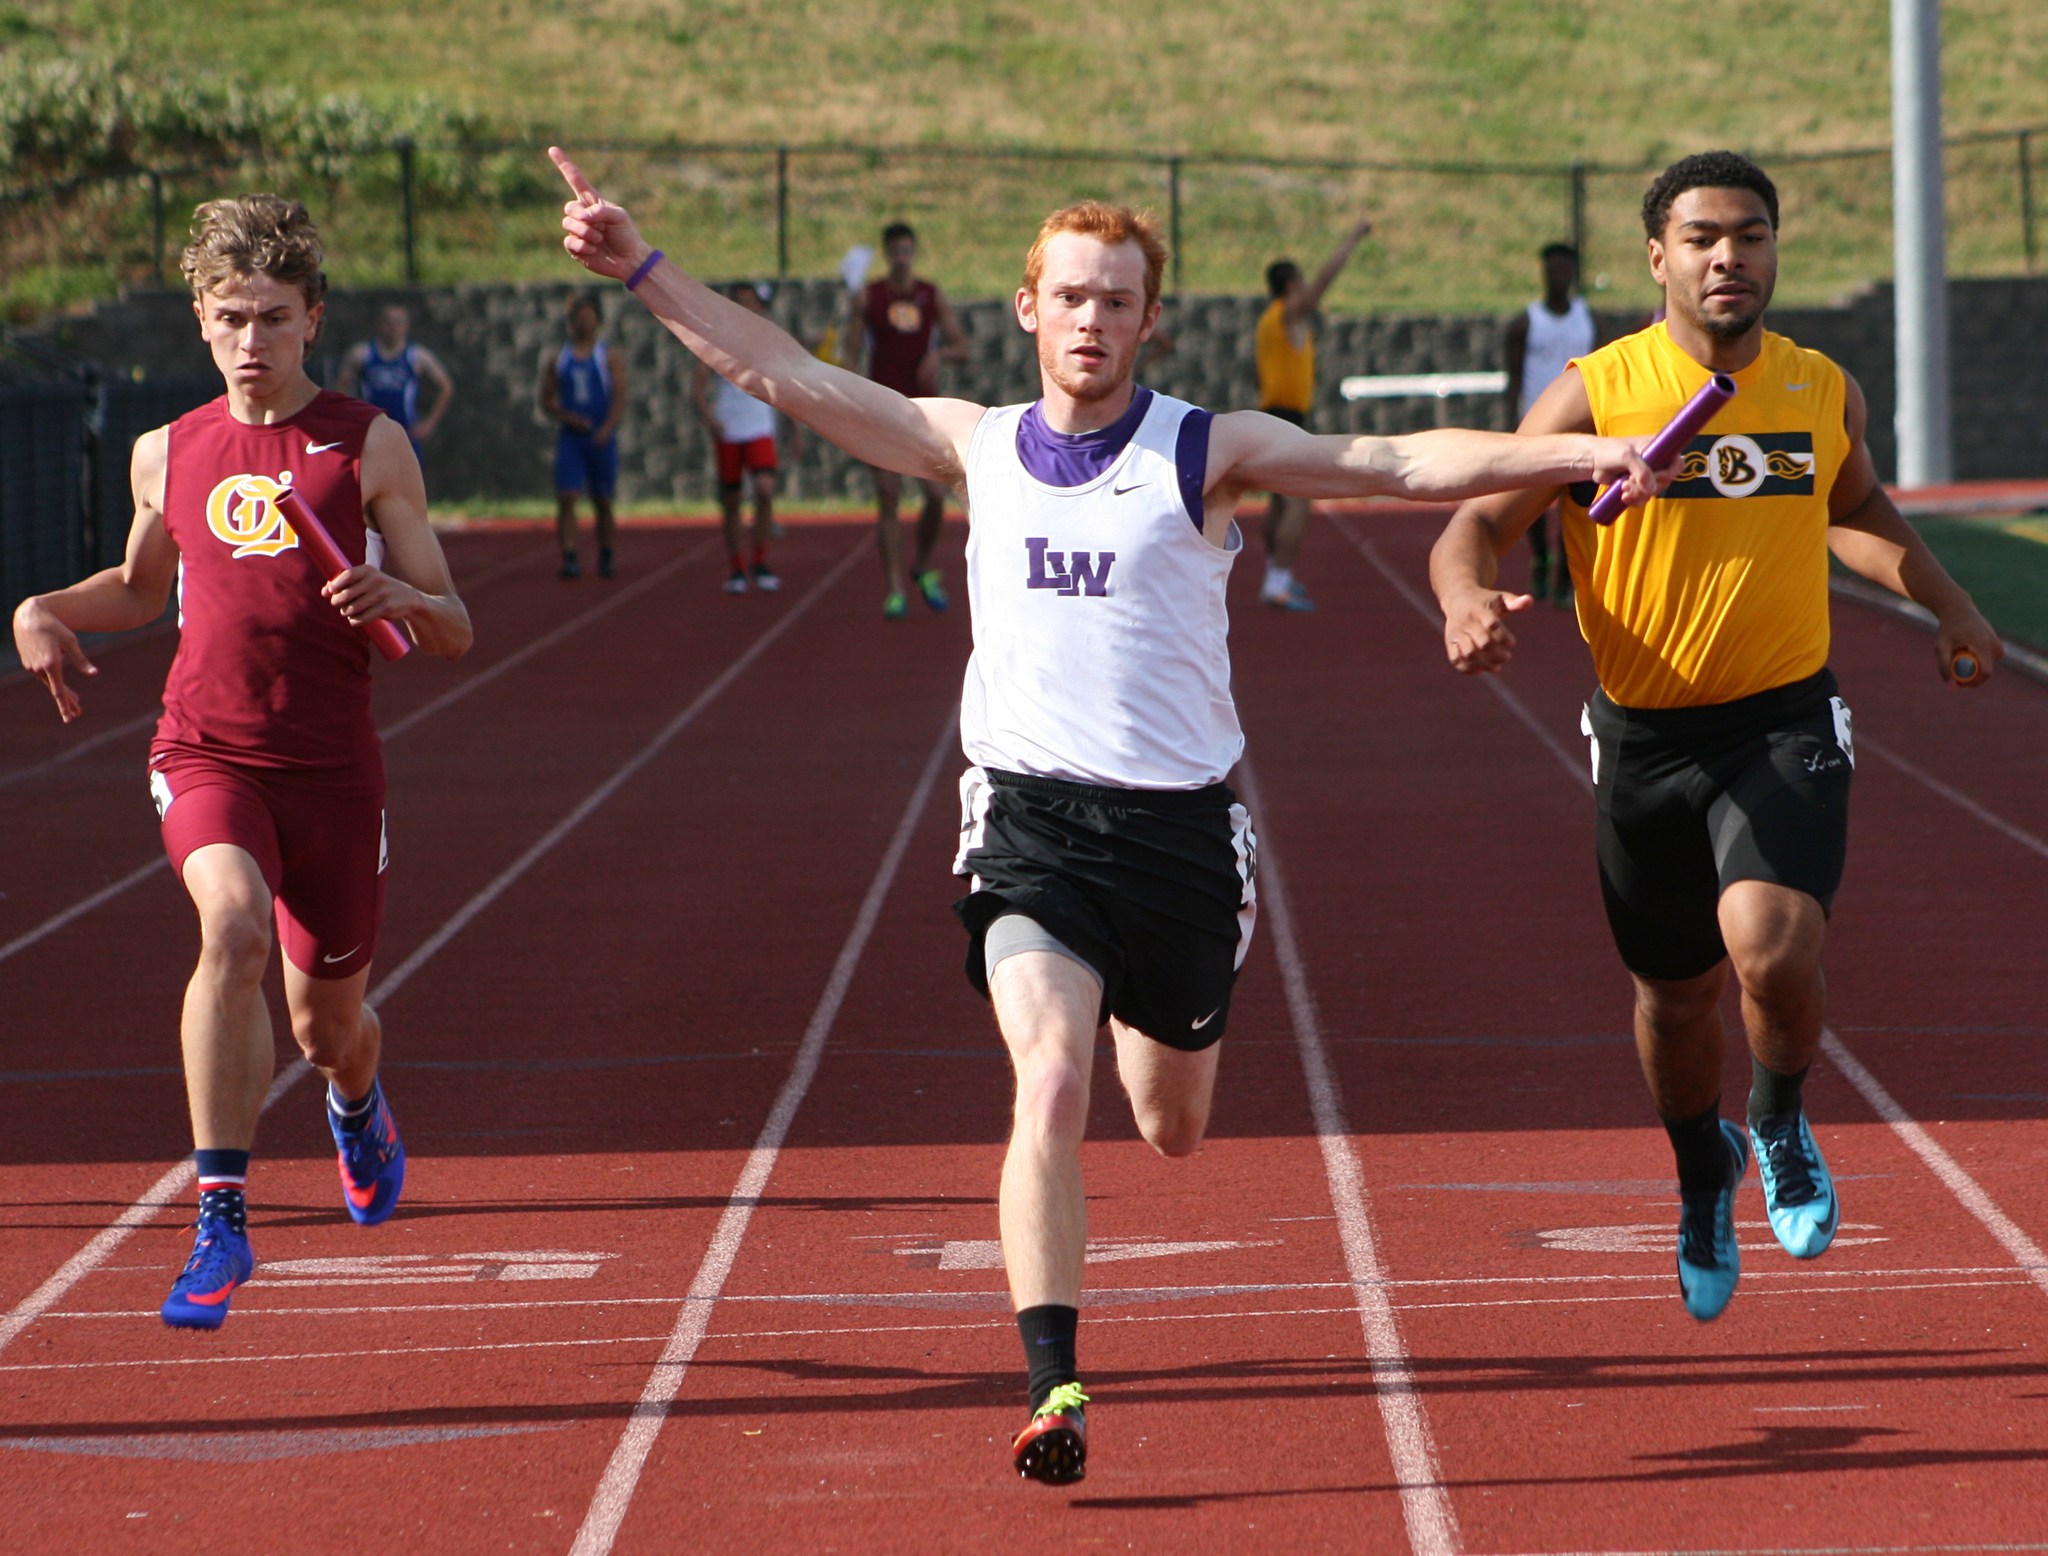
[(1463, 565), (1872, 538), (1310, 297), (1250, 451), (924, 438), (116, 599)]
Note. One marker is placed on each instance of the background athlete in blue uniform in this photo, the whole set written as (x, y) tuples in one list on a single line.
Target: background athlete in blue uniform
[(388, 370), (583, 388)]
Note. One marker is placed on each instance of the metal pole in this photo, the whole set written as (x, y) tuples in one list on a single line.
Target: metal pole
[(1919, 245), (2027, 196), (1579, 212), (1173, 216), (156, 226), (782, 212), (405, 170)]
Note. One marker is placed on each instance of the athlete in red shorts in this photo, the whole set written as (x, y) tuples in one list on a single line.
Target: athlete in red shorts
[(743, 435), (266, 768)]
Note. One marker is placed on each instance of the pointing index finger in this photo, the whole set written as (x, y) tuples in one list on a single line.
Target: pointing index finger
[(574, 175)]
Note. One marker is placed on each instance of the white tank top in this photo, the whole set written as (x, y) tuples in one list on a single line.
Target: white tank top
[(741, 417), (1553, 341), (1100, 652)]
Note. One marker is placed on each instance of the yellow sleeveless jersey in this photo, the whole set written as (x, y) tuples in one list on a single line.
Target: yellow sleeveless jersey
[(1719, 588), (1287, 372)]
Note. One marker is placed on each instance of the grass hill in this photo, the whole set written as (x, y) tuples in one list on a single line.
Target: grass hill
[(1622, 84)]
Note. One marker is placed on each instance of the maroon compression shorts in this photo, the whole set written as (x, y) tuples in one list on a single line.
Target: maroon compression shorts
[(322, 855)]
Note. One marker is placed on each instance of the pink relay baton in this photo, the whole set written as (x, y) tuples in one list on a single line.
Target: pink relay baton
[(1716, 392), (391, 643)]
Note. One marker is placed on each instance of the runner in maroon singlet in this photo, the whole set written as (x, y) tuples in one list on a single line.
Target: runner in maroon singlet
[(266, 768), (899, 314)]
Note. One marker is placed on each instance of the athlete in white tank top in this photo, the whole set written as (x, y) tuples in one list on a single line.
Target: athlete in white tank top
[(1552, 342), (1100, 651)]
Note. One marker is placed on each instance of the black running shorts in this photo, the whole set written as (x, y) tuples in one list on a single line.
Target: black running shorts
[(1692, 800), (1153, 889)]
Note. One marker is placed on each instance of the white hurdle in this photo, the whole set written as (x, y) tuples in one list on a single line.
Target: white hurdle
[(1400, 386)]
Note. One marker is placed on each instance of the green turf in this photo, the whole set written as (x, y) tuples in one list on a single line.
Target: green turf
[(1623, 82), (2002, 559)]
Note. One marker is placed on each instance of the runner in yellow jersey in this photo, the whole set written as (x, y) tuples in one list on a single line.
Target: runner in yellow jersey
[(1721, 747), (1284, 349)]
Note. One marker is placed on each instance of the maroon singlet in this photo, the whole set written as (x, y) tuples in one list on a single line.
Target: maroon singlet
[(900, 328), (268, 674)]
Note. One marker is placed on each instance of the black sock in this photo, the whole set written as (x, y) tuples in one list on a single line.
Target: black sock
[(1702, 1153), (223, 1177), (353, 1115), (1048, 1335), (1770, 1092)]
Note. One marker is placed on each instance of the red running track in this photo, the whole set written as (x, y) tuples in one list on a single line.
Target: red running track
[(697, 1252)]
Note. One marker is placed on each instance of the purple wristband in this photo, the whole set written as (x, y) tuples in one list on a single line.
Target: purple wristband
[(633, 281)]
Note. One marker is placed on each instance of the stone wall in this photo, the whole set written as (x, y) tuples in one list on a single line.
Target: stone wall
[(494, 443)]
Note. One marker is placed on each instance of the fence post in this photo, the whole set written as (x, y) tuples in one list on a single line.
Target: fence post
[(1173, 216), (2027, 197), (1578, 211), (405, 170), (782, 213), (156, 228)]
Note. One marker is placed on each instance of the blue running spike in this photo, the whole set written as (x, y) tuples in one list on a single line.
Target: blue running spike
[(371, 1161), (220, 1262), (1799, 1192), (1709, 1258)]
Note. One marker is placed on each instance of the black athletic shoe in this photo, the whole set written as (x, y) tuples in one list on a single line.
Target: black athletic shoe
[(1054, 1447)]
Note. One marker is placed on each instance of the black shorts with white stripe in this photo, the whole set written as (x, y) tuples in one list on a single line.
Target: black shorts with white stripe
[(1154, 889), (1692, 800)]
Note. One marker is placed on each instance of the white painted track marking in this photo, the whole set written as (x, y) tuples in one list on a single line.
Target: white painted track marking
[(2026, 1253), (454, 694), (1425, 1503), (144, 720), (614, 1493), (171, 1186), (1968, 1192), (997, 1300)]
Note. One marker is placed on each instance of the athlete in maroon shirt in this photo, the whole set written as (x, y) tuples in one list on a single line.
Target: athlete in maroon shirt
[(266, 769), (899, 314)]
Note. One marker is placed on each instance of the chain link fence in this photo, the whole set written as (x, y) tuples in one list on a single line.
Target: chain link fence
[(1450, 237)]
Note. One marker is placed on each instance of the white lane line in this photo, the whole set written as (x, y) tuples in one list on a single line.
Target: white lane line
[(1427, 610), (79, 909), (1005, 1322), (454, 694), (1953, 795), (1425, 1503), (614, 1493), (1097, 1296), (83, 748), (548, 640), (173, 1183), (2025, 1252), (144, 720)]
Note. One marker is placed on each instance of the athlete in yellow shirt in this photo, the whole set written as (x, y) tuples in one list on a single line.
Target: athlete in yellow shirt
[(1284, 349), (1721, 749)]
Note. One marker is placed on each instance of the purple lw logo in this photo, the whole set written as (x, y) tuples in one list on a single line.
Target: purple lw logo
[(1068, 572)]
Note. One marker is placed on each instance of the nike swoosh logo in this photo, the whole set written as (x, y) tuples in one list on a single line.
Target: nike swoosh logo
[(1795, 388), (360, 1198), (1197, 1026), (351, 951), (321, 448), (1120, 490)]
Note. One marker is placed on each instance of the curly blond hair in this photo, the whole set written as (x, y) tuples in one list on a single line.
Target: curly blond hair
[(254, 234)]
